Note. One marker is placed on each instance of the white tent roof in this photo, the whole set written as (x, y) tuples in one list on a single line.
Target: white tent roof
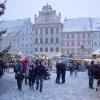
[(97, 52)]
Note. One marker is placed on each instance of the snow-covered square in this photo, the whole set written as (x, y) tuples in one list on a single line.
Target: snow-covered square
[(75, 88)]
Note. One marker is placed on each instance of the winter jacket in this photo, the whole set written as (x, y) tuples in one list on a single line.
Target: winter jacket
[(25, 64), (63, 67), (91, 70), (40, 70), (31, 69), (18, 69), (58, 68)]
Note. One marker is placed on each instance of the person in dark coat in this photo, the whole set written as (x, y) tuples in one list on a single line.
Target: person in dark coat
[(63, 71), (19, 74), (58, 72), (91, 70), (71, 69), (31, 74), (2, 65), (40, 72), (76, 68)]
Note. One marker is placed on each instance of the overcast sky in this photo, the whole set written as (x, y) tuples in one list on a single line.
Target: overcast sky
[(19, 9)]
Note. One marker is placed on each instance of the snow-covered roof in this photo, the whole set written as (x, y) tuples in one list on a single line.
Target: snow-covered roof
[(81, 24), (96, 24), (76, 24), (97, 51), (13, 25)]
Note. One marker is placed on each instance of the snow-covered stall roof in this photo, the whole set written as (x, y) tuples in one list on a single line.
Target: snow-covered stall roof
[(97, 51), (76, 24)]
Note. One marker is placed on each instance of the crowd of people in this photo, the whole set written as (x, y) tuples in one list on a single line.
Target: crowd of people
[(35, 71), (32, 71)]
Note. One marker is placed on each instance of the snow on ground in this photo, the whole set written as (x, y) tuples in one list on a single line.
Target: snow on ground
[(73, 89)]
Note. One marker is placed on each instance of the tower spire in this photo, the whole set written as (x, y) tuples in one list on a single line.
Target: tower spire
[(47, 2)]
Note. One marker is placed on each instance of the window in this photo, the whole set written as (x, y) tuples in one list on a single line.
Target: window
[(83, 41), (72, 36), (41, 32), (30, 45), (67, 36), (36, 49), (23, 34), (89, 42), (41, 49), (57, 49), (33, 29), (83, 35), (63, 43), (89, 35), (26, 45), (13, 40), (17, 40), (51, 49), (95, 43), (23, 39), (36, 31), (63, 35), (26, 52), (95, 35), (68, 43), (57, 40), (78, 43), (46, 49), (30, 52), (57, 30), (52, 30), (30, 33), (68, 52), (51, 40), (46, 30), (36, 40), (41, 40), (22, 45), (31, 38), (72, 43), (78, 35), (46, 40)]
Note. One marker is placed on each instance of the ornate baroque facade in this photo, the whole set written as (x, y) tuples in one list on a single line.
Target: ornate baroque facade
[(47, 32)]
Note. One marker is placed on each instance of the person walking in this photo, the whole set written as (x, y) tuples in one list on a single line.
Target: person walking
[(58, 72), (25, 64), (63, 71), (1, 67), (19, 74), (76, 69), (32, 75), (71, 69), (91, 70), (40, 72)]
